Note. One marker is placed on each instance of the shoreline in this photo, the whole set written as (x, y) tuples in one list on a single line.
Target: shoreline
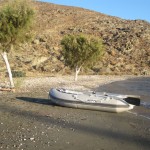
[(84, 82)]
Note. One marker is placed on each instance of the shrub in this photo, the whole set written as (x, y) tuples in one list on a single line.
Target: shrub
[(81, 51), (18, 74)]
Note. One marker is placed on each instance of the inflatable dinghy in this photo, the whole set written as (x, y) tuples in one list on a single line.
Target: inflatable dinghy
[(94, 100)]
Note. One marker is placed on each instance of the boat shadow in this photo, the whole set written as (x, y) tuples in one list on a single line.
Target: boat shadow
[(37, 100)]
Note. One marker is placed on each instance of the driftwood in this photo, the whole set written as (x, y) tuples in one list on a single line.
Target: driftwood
[(7, 89)]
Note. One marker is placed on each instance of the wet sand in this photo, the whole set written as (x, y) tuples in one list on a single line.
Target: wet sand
[(29, 121)]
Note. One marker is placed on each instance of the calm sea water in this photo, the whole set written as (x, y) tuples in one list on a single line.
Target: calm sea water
[(135, 86)]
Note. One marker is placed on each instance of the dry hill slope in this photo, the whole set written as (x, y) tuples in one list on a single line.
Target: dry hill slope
[(127, 42)]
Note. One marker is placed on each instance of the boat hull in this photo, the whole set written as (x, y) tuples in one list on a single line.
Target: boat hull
[(88, 100)]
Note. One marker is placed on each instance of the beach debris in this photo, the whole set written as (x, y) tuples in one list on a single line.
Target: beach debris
[(32, 138), (7, 89)]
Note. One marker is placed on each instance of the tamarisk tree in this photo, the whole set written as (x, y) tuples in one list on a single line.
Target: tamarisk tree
[(81, 51), (16, 18)]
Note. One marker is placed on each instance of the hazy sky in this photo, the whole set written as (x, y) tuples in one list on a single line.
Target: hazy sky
[(126, 9)]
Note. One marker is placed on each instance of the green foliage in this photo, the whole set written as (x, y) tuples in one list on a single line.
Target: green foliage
[(18, 74), (81, 50), (15, 19)]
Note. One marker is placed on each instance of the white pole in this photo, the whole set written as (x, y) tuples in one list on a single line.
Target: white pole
[(4, 55)]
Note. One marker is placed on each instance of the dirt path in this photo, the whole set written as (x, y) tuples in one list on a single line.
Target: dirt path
[(29, 121)]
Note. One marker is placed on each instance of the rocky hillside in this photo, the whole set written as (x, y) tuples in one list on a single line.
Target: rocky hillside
[(127, 42)]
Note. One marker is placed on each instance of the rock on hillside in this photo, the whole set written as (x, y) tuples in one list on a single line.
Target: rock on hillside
[(127, 42)]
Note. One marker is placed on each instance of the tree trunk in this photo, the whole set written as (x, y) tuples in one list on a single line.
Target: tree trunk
[(77, 70), (4, 55)]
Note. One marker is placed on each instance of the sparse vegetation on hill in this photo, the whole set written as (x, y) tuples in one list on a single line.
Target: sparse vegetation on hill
[(127, 42)]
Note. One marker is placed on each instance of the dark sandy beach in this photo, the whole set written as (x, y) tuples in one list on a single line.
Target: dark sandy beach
[(29, 121)]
